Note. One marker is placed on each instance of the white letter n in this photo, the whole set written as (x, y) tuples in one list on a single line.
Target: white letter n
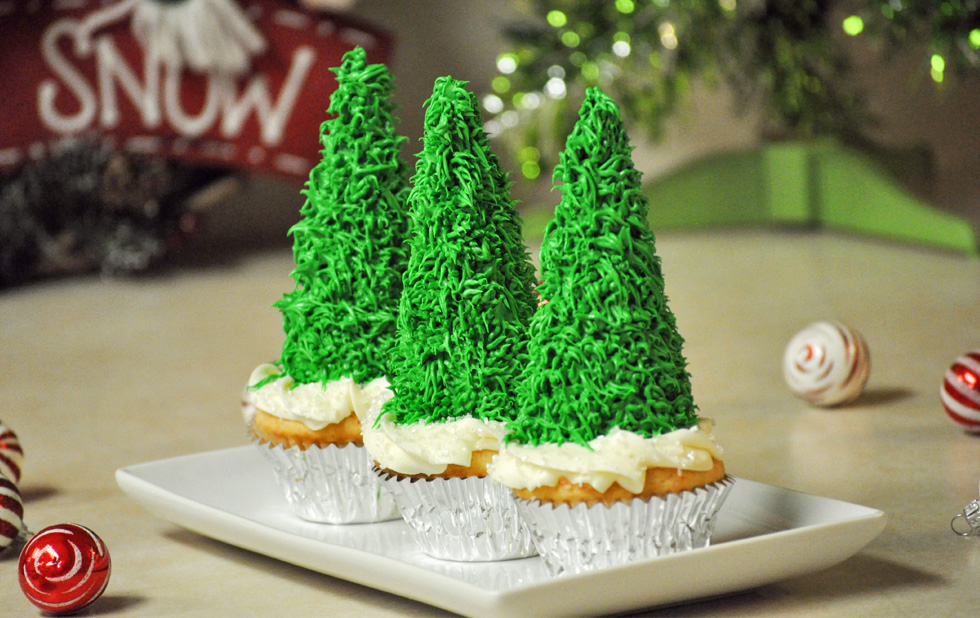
[(112, 67)]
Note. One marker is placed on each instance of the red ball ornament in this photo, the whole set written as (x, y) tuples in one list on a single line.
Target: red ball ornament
[(11, 512), (961, 391), (64, 568), (11, 454)]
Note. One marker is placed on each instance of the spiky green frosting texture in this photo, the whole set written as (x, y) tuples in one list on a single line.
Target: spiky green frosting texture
[(604, 351), (348, 246), (468, 288)]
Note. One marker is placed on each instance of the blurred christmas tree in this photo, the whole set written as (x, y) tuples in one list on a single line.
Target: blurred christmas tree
[(785, 56)]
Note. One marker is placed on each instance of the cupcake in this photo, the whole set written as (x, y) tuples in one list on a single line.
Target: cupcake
[(607, 457), (339, 320), (462, 330)]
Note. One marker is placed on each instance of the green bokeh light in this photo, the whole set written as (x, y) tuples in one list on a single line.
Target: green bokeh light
[(590, 71), (625, 6), (531, 169), (529, 153), (853, 25), (557, 19), (938, 68)]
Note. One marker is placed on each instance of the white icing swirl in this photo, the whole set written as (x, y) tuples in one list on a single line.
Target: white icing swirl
[(618, 457), (420, 448), (315, 405)]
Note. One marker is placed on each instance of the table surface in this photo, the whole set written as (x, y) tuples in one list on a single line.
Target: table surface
[(100, 374)]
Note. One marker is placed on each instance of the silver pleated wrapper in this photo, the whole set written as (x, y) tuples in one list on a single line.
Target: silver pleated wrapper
[(464, 519), (583, 538), (330, 484)]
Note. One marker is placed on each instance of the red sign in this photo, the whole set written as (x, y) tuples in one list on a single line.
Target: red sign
[(69, 73)]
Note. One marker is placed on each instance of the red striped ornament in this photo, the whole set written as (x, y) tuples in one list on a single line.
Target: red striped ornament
[(827, 364), (11, 454), (961, 391), (64, 568), (11, 512)]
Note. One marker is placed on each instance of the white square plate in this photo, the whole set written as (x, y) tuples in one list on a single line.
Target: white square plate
[(763, 534)]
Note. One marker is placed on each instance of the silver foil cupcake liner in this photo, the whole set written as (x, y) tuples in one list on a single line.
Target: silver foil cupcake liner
[(583, 538), (464, 519), (330, 484)]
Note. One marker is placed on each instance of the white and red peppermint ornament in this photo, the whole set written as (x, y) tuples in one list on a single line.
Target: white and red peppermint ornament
[(11, 512), (960, 391), (64, 568), (827, 364), (11, 454)]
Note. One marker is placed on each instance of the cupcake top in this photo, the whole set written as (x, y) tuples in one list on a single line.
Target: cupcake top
[(467, 296), (339, 320), (316, 404), (617, 457), (419, 447), (604, 351)]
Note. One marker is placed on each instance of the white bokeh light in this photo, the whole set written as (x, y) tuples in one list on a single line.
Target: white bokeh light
[(506, 64), (493, 104), (555, 88), (531, 100)]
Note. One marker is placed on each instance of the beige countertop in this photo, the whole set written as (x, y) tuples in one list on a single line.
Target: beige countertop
[(96, 375)]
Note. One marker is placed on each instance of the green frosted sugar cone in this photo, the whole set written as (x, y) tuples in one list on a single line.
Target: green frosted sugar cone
[(604, 350), (349, 245), (467, 298)]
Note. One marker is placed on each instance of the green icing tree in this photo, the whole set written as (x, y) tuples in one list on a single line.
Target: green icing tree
[(348, 246), (604, 350), (468, 289)]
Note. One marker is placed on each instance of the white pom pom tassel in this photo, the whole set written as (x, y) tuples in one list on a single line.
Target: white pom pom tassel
[(203, 35)]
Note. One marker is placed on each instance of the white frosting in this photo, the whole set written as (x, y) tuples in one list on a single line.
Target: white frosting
[(420, 448), (619, 457), (315, 405)]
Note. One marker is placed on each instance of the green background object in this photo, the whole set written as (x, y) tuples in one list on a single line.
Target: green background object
[(811, 183)]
